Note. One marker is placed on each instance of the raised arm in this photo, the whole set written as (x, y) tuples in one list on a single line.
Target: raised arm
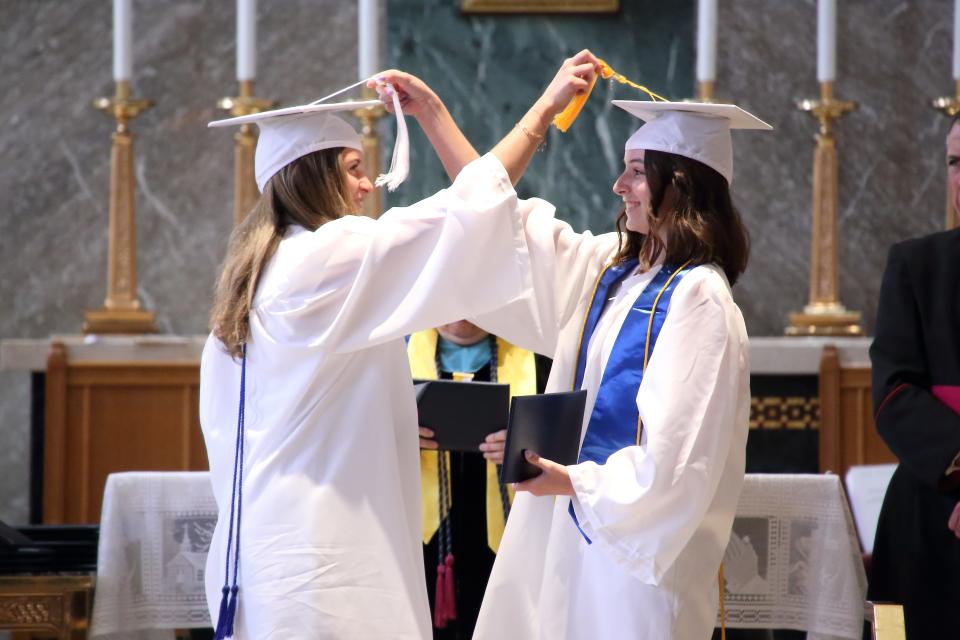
[(419, 100), (519, 144), (517, 147)]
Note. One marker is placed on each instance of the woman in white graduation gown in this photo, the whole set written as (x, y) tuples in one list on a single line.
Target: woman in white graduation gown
[(309, 317), (626, 544)]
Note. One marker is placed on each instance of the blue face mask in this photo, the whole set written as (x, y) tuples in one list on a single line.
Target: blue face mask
[(463, 358)]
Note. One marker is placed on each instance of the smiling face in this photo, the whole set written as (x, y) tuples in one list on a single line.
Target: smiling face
[(632, 187), (953, 167), (358, 185)]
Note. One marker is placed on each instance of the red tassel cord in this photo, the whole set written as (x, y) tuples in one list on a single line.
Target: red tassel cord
[(440, 598), (444, 602), (451, 596)]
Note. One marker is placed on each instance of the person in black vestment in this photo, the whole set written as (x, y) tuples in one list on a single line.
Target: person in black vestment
[(463, 351), (916, 397)]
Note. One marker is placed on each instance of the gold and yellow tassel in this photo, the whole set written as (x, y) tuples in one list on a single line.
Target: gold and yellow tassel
[(565, 118)]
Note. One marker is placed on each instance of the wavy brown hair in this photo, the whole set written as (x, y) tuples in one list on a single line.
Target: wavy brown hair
[(307, 192), (699, 220)]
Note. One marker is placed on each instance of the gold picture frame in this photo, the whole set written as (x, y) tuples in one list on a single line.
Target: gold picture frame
[(540, 6)]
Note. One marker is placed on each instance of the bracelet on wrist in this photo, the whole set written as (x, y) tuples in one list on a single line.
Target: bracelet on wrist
[(535, 137)]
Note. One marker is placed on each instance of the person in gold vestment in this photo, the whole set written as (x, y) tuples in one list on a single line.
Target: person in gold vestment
[(466, 524)]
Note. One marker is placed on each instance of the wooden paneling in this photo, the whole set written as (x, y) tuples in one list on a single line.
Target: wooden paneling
[(848, 435), (105, 417)]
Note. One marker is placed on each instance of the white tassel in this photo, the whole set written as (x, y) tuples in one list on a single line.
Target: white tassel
[(400, 164)]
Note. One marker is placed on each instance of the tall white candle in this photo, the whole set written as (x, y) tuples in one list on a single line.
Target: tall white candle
[(369, 45), (826, 40), (707, 40), (956, 40), (246, 39), (122, 39)]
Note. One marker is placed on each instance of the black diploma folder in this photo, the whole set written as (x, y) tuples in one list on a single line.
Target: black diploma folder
[(548, 424), (462, 414)]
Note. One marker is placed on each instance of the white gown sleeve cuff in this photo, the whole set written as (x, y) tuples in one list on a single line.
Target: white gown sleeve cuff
[(585, 478)]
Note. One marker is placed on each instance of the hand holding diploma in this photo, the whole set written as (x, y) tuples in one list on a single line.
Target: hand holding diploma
[(426, 439), (553, 481), (491, 447)]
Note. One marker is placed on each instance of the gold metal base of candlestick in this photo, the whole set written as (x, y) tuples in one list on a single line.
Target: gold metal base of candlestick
[(706, 91), (824, 314), (245, 191), (706, 94), (825, 320), (121, 311), (126, 321), (949, 106), (122, 106), (246, 103), (827, 108), (368, 117)]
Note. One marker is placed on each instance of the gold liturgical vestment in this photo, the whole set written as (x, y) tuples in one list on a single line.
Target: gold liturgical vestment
[(516, 367)]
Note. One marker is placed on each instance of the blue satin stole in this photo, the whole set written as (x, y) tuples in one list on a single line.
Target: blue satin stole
[(615, 420)]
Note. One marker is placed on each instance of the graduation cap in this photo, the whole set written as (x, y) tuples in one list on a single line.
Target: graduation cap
[(700, 131), (292, 132)]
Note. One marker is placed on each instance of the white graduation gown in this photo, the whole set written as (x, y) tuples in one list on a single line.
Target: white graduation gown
[(659, 514), (330, 537)]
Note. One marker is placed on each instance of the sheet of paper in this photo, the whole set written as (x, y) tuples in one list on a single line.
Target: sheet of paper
[(866, 487)]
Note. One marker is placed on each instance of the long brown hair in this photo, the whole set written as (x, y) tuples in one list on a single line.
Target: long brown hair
[(700, 222), (307, 192)]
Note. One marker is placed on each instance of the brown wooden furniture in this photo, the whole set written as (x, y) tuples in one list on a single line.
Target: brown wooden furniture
[(104, 417), (848, 435), (56, 606)]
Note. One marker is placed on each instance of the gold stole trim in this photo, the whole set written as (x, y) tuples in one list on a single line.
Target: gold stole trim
[(515, 366)]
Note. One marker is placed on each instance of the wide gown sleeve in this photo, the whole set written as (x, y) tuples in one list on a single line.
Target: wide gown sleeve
[(564, 265), (921, 431), (645, 503), (356, 282)]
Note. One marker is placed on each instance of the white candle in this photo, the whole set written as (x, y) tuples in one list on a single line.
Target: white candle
[(246, 39), (122, 39), (707, 40), (826, 40), (369, 45), (956, 40)]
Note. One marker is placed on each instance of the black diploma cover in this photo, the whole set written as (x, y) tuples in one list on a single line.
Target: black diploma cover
[(462, 414), (548, 424)]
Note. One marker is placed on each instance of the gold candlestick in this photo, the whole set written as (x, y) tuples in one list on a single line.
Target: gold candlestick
[(121, 312), (705, 91), (949, 106), (245, 191), (825, 315), (369, 116)]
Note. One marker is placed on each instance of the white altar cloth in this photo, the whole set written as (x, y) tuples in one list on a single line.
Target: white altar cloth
[(793, 560), (155, 530)]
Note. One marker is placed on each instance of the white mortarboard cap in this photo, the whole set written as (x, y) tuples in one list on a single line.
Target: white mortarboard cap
[(693, 130), (293, 132)]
